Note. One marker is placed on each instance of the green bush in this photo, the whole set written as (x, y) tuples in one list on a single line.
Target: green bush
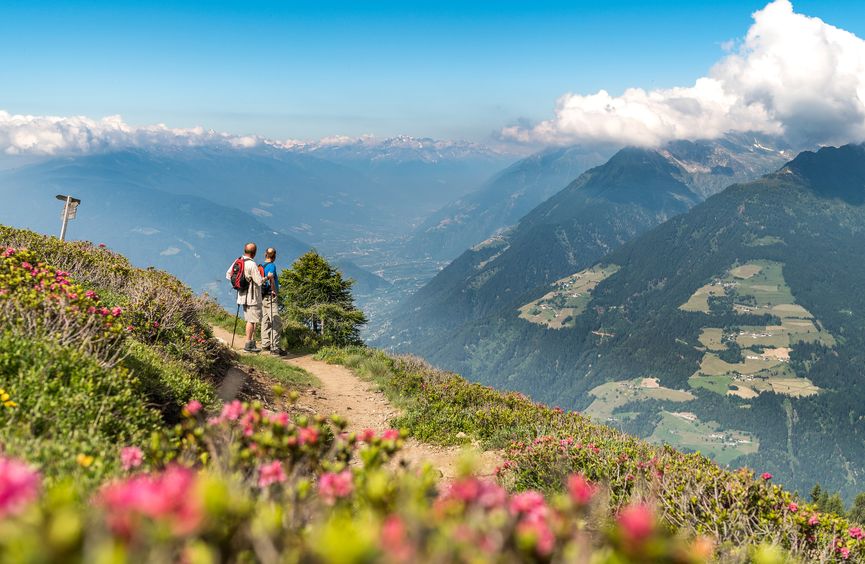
[(165, 384), (68, 408)]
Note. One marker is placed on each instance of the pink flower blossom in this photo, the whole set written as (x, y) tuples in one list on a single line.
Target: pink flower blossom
[(26, 265), (193, 407), (580, 489), (366, 436), (539, 531), (394, 539), (636, 523), (8, 252), (116, 311), (232, 411), (530, 502), (766, 476), (332, 486), (813, 520), (856, 533), (390, 435), (101, 245), (156, 324), (793, 507), (484, 493), (131, 457), (844, 552), (166, 497), (307, 435), (464, 489), (280, 418), (19, 485), (91, 294), (271, 473)]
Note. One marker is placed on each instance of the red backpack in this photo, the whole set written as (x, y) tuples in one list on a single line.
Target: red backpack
[(238, 276)]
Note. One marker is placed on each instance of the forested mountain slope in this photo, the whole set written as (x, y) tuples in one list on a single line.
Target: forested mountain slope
[(736, 329)]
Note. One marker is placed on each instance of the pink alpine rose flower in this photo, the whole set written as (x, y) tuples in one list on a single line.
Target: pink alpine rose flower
[(131, 457), (539, 532), (332, 486), (856, 533), (793, 507), (19, 485), (530, 502), (271, 473), (636, 522), (166, 497), (192, 407), (580, 489), (766, 476), (307, 435)]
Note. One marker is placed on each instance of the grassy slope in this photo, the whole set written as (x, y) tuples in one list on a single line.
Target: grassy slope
[(76, 405), (546, 444)]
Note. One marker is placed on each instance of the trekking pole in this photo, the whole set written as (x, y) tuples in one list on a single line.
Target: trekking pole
[(236, 317), (272, 342)]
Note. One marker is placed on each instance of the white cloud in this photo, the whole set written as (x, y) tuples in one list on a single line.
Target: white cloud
[(792, 74), (52, 135)]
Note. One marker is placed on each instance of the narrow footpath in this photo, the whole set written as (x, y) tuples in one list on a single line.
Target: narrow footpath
[(343, 393)]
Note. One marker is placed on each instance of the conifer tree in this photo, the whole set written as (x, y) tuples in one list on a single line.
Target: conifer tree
[(314, 293)]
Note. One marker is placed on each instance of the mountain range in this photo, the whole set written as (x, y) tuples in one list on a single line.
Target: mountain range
[(709, 165), (735, 328), (596, 213)]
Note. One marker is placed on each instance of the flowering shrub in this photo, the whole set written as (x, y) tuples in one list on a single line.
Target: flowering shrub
[(333, 511), (544, 446), (40, 300), (157, 309)]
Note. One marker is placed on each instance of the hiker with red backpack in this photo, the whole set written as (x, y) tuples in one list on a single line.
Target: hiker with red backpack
[(271, 329), (246, 277)]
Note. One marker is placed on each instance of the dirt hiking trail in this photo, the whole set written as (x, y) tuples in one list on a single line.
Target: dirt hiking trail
[(342, 392)]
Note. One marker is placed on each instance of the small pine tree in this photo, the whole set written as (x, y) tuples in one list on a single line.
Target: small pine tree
[(816, 494), (314, 293), (857, 510)]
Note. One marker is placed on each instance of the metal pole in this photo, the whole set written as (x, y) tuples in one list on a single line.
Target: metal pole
[(272, 342), (65, 218), (234, 331)]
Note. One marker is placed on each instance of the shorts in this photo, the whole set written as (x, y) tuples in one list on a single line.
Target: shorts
[(252, 313)]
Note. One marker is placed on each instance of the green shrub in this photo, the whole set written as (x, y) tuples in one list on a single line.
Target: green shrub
[(68, 408), (165, 384)]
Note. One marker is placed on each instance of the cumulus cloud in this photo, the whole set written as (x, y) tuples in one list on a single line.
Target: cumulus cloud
[(792, 74), (51, 135)]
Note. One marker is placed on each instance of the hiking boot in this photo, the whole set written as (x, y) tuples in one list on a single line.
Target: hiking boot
[(265, 348), (277, 351), (250, 347)]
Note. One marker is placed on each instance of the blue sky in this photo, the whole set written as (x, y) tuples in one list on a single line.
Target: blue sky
[(310, 69)]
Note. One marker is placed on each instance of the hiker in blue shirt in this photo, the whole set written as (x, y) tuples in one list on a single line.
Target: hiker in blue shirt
[(271, 328)]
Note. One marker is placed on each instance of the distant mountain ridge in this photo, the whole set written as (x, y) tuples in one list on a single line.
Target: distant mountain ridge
[(711, 165), (180, 211), (595, 214)]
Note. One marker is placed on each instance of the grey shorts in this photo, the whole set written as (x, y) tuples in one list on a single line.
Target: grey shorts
[(252, 313)]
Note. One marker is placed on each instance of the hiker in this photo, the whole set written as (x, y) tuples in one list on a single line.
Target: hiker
[(271, 329), (247, 282)]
